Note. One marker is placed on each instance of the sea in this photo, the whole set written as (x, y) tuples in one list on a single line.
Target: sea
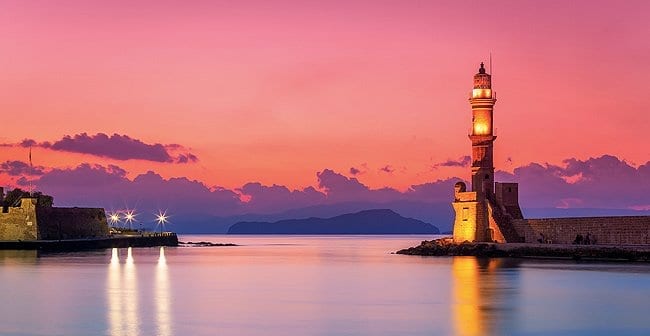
[(315, 285)]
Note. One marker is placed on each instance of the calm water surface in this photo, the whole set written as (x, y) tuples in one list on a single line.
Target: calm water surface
[(314, 285)]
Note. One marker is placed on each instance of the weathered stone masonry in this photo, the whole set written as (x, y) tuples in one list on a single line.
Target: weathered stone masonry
[(621, 230), (32, 221)]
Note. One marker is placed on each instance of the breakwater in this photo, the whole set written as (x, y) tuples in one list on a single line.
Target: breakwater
[(445, 247), (119, 241)]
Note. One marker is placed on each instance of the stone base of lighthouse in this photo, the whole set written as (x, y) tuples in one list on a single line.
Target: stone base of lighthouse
[(486, 217)]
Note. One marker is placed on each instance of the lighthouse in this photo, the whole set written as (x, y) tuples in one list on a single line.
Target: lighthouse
[(482, 100), (489, 211), (484, 213)]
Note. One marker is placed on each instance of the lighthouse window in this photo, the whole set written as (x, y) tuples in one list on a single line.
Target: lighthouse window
[(465, 213)]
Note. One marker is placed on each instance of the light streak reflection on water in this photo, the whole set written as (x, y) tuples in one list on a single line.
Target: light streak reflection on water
[(122, 295), (122, 292), (162, 298), (114, 295)]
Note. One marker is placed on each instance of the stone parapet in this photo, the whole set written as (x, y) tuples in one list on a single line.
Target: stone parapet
[(618, 230)]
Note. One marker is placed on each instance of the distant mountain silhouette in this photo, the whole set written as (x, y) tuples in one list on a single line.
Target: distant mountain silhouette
[(439, 214), (379, 221)]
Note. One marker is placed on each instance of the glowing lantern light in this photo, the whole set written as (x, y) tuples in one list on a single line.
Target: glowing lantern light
[(162, 218), (114, 218), (480, 128), (481, 93), (129, 217)]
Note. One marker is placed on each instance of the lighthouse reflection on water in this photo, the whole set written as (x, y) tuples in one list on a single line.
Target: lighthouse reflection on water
[(484, 293), (123, 292)]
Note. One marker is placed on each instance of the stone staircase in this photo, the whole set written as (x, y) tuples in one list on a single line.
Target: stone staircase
[(504, 222)]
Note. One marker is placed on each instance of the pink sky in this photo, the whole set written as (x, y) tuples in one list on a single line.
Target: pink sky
[(275, 91)]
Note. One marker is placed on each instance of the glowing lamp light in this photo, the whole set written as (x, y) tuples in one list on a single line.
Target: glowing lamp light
[(480, 128), (161, 217), (114, 218), (482, 93), (129, 216)]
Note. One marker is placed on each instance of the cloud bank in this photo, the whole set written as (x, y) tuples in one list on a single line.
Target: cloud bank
[(116, 146), (19, 168), (603, 182)]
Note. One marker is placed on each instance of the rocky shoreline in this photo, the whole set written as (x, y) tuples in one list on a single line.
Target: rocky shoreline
[(445, 247)]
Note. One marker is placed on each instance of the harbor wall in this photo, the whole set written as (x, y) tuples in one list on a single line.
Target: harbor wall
[(149, 240), (71, 223), (619, 230)]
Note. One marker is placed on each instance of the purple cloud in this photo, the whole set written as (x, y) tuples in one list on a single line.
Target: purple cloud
[(108, 186), (354, 171), (116, 146), (19, 168), (603, 182), (387, 169), (463, 161), (276, 198), (187, 158), (438, 191), (340, 188), (30, 143)]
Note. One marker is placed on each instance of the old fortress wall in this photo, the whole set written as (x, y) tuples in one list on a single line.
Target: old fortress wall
[(33, 221), (71, 223), (19, 223)]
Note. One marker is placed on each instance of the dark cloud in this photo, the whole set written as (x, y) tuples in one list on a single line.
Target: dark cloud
[(30, 143), (387, 169), (334, 183), (438, 191), (108, 186), (340, 188), (19, 168), (278, 198), (461, 162), (187, 158), (120, 147), (116, 146), (603, 182), (362, 169)]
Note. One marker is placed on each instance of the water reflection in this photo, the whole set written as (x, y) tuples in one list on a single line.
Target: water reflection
[(122, 292), (484, 293), (19, 256), (114, 297), (467, 314), (162, 296), (130, 293)]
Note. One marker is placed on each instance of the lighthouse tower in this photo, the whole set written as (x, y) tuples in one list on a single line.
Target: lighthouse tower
[(482, 135), (485, 212)]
